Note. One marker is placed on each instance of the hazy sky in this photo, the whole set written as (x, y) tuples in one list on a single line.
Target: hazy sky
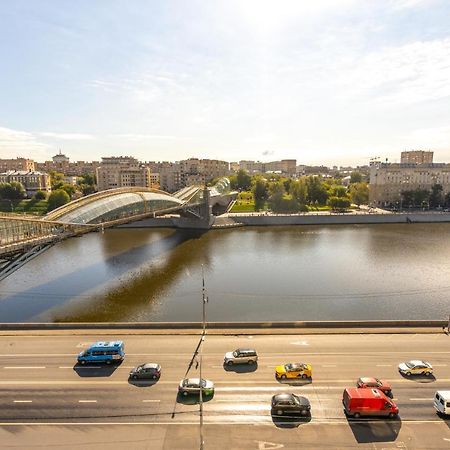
[(322, 81)]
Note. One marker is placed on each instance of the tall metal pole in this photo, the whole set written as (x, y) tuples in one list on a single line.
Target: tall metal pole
[(204, 300)]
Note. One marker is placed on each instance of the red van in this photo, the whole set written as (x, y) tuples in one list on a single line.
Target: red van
[(368, 402)]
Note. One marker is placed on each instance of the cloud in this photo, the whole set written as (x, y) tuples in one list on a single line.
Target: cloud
[(399, 5), (67, 136), (406, 74), (429, 138), (140, 136), (15, 143)]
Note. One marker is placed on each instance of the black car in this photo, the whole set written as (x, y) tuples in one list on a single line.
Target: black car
[(149, 371), (290, 404)]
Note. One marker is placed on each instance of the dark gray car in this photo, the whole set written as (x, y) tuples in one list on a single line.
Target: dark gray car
[(290, 405), (148, 371)]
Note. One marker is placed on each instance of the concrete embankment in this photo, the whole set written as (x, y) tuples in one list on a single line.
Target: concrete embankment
[(337, 219), (239, 220), (226, 328)]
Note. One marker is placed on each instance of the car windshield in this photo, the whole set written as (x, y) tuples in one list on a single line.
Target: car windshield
[(410, 365), (235, 353)]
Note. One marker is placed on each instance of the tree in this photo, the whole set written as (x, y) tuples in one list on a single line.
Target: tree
[(316, 191), (276, 190), (359, 193), (12, 191), (356, 177), (436, 197), (244, 180), (57, 198), (299, 191), (260, 191), (338, 203), (40, 195)]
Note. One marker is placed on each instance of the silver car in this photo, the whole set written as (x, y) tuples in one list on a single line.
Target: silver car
[(192, 386), (241, 356)]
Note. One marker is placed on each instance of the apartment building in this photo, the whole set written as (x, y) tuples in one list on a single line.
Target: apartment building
[(416, 157), (389, 180), (122, 171), (61, 163), (285, 166), (32, 181), (17, 164)]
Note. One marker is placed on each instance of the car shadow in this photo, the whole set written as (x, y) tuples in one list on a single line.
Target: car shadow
[(290, 421), (193, 399), (95, 370), (294, 381), (420, 378), (142, 383), (375, 430), (241, 368)]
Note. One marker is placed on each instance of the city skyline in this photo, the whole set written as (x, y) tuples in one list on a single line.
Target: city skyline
[(333, 83)]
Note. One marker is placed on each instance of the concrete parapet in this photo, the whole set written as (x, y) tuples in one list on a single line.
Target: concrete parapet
[(366, 324)]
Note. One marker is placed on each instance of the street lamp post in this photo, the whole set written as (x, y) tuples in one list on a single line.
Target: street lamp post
[(204, 301)]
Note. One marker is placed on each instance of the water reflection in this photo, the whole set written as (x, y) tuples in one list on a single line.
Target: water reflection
[(286, 273)]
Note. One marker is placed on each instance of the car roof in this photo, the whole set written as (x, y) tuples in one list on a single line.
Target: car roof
[(192, 380), (418, 362), (444, 394), (283, 397), (368, 380), (150, 366), (246, 350), (107, 344)]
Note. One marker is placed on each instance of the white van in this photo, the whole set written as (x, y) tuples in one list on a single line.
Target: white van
[(442, 402)]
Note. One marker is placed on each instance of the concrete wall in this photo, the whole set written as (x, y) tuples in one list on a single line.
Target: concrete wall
[(335, 219)]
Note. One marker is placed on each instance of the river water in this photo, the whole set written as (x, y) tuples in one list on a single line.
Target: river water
[(268, 273)]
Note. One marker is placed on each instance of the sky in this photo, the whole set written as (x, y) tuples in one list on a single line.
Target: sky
[(334, 82)]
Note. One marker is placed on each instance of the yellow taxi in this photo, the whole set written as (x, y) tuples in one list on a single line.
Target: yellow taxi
[(293, 370)]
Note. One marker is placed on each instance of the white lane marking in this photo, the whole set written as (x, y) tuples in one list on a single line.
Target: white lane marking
[(300, 343), (439, 365), (151, 401), (329, 365), (384, 365), (87, 401), (24, 367), (265, 445), (23, 401), (421, 399)]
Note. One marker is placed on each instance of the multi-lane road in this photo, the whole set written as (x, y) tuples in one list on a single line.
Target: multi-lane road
[(47, 400)]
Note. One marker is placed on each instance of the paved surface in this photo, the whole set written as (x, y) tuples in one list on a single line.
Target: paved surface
[(47, 401)]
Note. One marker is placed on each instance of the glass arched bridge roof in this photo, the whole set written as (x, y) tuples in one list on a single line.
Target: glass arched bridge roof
[(101, 208)]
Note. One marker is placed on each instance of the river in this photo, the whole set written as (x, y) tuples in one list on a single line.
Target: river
[(355, 272)]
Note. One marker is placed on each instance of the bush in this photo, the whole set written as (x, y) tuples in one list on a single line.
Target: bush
[(57, 198), (40, 195)]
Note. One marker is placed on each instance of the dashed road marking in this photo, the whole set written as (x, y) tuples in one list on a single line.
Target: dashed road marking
[(23, 401), (151, 401), (24, 367), (87, 401)]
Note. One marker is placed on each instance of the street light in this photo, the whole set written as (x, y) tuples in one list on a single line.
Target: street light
[(204, 301)]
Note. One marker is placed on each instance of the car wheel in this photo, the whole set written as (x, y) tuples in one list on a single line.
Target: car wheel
[(427, 374), (304, 376), (108, 361), (392, 415), (82, 362), (251, 361), (185, 393), (154, 377), (229, 363), (280, 412), (283, 377), (135, 377), (357, 415), (408, 374)]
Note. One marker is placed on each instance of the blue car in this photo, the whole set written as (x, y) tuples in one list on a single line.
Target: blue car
[(103, 352)]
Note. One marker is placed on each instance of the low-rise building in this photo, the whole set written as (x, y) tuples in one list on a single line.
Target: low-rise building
[(32, 181)]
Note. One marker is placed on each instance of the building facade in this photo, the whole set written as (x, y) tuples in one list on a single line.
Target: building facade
[(122, 171), (416, 157), (32, 181), (17, 164), (286, 167), (389, 180), (61, 163)]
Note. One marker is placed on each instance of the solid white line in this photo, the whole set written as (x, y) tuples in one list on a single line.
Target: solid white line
[(25, 367), (384, 365), (422, 399), (87, 401), (151, 401), (329, 365), (439, 365), (23, 401)]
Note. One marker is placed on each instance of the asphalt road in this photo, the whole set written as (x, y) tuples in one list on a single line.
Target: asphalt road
[(46, 400)]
